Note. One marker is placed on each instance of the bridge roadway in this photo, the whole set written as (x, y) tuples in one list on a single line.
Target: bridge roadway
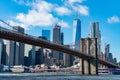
[(25, 38)]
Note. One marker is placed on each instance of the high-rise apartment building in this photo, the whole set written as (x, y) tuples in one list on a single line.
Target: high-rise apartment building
[(95, 33)]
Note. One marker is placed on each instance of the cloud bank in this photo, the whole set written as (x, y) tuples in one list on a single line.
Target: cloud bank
[(42, 13)]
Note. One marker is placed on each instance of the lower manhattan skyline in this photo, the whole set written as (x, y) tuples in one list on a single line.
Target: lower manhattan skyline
[(35, 18)]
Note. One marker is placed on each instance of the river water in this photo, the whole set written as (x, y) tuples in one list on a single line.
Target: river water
[(48, 76)]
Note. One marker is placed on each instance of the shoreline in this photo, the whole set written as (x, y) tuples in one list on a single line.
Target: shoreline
[(42, 74), (39, 74)]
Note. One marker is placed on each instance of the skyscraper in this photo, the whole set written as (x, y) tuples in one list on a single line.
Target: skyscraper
[(32, 56), (19, 49), (76, 36), (46, 33), (4, 54), (95, 33), (29, 54), (76, 33), (15, 50), (107, 50), (1, 48), (62, 43), (10, 53), (56, 40)]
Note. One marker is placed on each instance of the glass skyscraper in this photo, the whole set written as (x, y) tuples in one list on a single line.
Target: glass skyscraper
[(15, 50), (46, 33), (76, 33), (95, 33), (58, 39), (1, 48)]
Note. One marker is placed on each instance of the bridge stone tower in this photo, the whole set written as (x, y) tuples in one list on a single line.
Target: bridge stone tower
[(88, 46)]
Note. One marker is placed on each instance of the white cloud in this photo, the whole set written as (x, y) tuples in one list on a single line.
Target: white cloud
[(14, 23), (113, 19), (34, 18), (83, 10), (62, 11), (39, 15), (71, 2), (25, 2), (43, 6), (63, 24)]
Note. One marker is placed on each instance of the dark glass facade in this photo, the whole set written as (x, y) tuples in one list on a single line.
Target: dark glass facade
[(46, 33)]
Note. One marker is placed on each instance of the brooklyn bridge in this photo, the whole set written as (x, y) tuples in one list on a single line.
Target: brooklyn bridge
[(88, 61)]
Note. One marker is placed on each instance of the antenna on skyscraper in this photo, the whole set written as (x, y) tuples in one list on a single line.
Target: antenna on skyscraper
[(77, 13)]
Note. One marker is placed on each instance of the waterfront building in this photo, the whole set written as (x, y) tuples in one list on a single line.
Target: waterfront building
[(46, 33), (15, 50), (39, 56), (32, 56), (1, 50), (3, 59), (29, 55), (107, 51), (47, 52), (10, 53), (115, 60), (95, 33), (68, 59), (19, 49)]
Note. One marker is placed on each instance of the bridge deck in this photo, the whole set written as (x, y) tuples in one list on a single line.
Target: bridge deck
[(25, 38)]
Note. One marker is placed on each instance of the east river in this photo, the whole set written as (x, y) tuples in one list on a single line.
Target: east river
[(54, 76)]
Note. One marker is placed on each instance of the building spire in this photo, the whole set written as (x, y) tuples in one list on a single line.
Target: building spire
[(77, 13)]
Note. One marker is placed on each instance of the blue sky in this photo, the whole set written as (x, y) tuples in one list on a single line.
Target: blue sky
[(35, 15)]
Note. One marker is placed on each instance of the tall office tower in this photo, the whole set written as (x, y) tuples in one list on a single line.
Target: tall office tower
[(95, 33), (110, 57), (46, 33), (16, 50), (39, 57), (68, 59), (62, 38), (19, 49), (4, 55), (76, 33), (62, 43), (29, 55), (76, 37), (56, 40), (10, 53), (32, 56), (1, 50), (107, 51)]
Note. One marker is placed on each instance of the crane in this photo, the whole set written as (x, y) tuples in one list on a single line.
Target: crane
[(8, 24)]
